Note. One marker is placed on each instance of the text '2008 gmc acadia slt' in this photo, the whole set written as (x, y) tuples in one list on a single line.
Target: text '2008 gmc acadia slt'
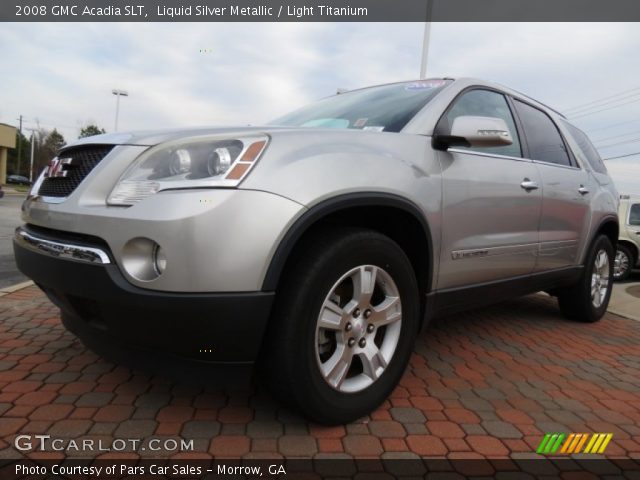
[(321, 245)]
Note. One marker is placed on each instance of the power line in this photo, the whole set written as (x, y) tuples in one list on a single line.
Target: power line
[(615, 136), (615, 144), (581, 106), (603, 109), (602, 104), (606, 127), (622, 156)]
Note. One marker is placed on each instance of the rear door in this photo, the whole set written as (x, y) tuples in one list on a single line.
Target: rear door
[(566, 190), (491, 202)]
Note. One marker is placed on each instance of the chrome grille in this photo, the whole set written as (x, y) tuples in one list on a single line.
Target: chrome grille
[(83, 160)]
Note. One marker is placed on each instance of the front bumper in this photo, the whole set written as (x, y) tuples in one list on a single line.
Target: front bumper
[(98, 302)]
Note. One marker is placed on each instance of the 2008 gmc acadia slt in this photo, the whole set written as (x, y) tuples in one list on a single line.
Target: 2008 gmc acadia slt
[(318, 247)]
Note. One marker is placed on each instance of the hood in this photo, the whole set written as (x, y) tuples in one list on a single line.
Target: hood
[(154, 137)]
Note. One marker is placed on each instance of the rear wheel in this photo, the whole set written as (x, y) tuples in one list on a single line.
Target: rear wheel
[(623, 263), (344, 325), (588, 299)]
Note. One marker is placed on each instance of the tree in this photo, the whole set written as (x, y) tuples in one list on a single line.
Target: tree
[(12, 157), (46, 146), (54, 141), (91, 130)]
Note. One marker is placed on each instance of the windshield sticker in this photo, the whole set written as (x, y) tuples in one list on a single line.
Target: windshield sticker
[(361, 122), (424, 85), (373, 129)]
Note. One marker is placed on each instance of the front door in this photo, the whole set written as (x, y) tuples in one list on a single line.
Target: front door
[(491, 203)]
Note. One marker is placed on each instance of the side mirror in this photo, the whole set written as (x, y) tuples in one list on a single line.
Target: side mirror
[(469, 131)]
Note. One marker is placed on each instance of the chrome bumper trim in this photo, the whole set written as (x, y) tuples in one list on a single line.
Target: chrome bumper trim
[(61, 250)]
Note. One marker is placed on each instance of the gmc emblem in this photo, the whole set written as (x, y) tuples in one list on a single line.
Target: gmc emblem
[(56, 167)]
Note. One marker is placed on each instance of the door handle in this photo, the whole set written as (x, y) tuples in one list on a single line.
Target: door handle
[(529, 185), (583, 190)]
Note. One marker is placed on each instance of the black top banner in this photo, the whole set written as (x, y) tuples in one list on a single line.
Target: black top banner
[(319, 10)]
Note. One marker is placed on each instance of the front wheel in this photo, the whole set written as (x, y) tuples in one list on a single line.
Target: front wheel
[(588, 299), (623, 263), (344, 325)]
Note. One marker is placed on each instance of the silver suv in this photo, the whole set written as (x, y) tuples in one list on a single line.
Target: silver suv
[(318, 247)]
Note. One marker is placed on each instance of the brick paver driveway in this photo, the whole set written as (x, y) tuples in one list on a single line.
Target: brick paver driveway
[(485, 384)]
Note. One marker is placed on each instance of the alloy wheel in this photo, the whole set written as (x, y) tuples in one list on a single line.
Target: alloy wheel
[(600, 278), (358, 328), (620, 264)]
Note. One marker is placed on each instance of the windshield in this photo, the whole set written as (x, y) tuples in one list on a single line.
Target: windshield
[(385, 108)]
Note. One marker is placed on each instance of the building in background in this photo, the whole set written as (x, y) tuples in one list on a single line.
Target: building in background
[(7, 141)]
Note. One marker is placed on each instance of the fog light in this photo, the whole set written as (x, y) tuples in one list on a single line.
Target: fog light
[(159, 260), (143, 259)]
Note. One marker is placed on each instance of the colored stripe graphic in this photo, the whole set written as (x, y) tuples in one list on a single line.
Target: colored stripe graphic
[(591, 443), (598, 443), (556, 445), (551, 443), (605, 442), (581, 443), (543, 443), (570, 443)]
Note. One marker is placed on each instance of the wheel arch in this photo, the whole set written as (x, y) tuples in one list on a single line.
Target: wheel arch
[(392, 215), (608, 226)]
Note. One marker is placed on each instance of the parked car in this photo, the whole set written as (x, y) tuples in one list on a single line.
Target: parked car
[(18, 180), (318, 247), (628, 251)]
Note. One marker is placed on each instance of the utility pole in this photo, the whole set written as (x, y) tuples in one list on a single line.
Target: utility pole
[(19, 147), (118, 94), (33, 141), (425, 41)]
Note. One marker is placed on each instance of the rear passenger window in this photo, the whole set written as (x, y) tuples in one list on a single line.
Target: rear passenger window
[(543, 138), (634, 215), (485, 103), (587, 148)]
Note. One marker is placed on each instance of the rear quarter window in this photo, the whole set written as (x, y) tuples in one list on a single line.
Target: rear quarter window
[(587, 148)]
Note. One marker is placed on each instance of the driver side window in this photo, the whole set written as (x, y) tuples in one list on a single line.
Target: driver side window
[(485, 103)]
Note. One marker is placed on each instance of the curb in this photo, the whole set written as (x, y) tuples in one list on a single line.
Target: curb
[(620, 307), (622, 314), (15, 288)]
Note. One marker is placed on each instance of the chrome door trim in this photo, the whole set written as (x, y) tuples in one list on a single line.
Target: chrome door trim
[(492, 155), (550, 247), (493, 251), (551, 164)]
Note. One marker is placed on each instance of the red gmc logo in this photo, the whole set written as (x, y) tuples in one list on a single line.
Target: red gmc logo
[(56, 167)]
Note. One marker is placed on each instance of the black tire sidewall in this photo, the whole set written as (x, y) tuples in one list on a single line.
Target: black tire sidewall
[(318, 399)]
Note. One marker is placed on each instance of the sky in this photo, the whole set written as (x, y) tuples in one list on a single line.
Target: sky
[(178, 75)]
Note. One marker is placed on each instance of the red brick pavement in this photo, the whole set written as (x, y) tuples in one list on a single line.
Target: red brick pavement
[(488, 383)]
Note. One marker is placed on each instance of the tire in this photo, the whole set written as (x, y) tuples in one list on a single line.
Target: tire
[(583, 301), (299, 352), (623, 263)]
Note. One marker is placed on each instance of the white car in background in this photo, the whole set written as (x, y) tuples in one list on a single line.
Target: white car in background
[(628, 252)]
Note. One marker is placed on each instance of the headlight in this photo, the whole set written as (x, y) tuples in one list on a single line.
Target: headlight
[(188, 163)]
